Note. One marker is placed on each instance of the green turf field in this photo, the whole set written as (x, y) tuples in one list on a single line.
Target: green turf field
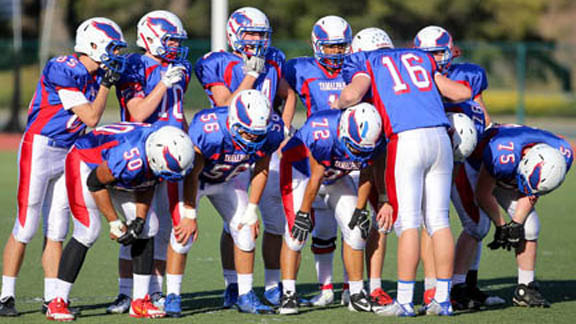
[(202, 287)]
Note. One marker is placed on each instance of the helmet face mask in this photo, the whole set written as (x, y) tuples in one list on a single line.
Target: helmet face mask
[(249, 120), (161, 34), (249, 32), (360, 131), (435, 39), (101, 39), (170, 153), (541, 170), (331, 31)]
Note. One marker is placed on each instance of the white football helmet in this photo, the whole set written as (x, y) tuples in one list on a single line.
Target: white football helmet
[(541, 170), (464, 135), (170, 153), (360, 130), (155, 29), (249, 114), (434, 39), (370, 39), (248, 19), (327, 31), (98, 38)]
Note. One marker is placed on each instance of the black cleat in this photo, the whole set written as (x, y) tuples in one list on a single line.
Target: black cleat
[(7, 307), (288, 304), (460, 298), (529, 296), (478, 298), (360, 302)]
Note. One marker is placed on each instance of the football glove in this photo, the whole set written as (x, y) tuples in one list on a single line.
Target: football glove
[(117, 228), (515, 233), (500, 239), (302, 226), (110, 77), (173, 75), (253, 65), (360, 218), (133, 230)]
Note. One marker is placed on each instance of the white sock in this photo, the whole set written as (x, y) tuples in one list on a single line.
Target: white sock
[(8, 286), (405, 292), (156, 283), (429, 283), (63, 289), (173, 284), (525, 276), (458, 279), (271, 278), (50, 288), (375, 283), (356, 286), (141, 285), (288, 285), (245, 283), (443, 289), (230, 276), (125, 286), (324, 268)]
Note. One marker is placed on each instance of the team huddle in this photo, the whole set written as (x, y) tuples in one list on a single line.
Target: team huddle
[(391, 137)]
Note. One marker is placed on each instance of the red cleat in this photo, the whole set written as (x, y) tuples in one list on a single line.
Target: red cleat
[(58, 311), (144, 308), (380, 297), (429, 295)]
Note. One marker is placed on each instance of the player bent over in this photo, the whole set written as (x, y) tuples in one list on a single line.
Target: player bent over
[(227, 141), (118, 164), (316, 162), (70, 95), (518, 164)]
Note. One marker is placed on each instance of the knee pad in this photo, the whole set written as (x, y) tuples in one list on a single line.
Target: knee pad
[(143, 256), (243, 239), (293, 244), (72, 260), (321, 246), (532, 226), (179, 248), (354, 239)]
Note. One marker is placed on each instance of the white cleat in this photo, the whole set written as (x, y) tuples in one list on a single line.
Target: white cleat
[(324, 298), (345, 298)]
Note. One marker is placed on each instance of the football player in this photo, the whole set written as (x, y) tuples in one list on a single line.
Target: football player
[(517, 165), (152, 91), (317, 81), (70, 95), (228, 141), (252, 64), (418, 178), (116, 167), (465, 292), (316, 164)]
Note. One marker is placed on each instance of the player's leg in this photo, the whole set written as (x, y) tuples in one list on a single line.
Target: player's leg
[(161, 204), (427, 258), (121, 303), (323, 246)]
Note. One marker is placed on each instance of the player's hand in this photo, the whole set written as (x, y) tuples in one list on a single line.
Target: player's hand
[(133, 230), (250, 218), (173, 75), (186, 229), (335, 104), (514, 233), (302, 226), (117, 229), (253, 65), (361, 219), (110, 77), (500, 239), (385, 217)]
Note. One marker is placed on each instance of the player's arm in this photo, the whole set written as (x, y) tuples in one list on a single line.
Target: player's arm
[(480, 101), (385, 211), (257, 185), (313, 185), (364, 187), (286, 92), (188, 226), (143, 201), (353, 92), (452, 90), (142, 108), (222, 95), (485, 197), (88, 112)]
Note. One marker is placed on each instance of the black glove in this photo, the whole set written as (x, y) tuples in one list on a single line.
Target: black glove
[(514, 233), (110, 77), (500, 239), (133, 230), (302, 226), (360, 218)]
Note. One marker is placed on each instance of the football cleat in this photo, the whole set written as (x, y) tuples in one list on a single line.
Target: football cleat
[(529, 296), (230, 295), (249, 303), (74, 310), (396, 309), (380, 298), (172, 305), (428, 296), (58, 311), (360, 302), (460, 297), (345, 297), (158, 299), (324, 298), (7, 307), (143, 308), (289, 304), (440, 309), (479, 298), (273, 296), (120, 305)]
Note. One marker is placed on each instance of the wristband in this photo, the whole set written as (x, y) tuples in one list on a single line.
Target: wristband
[(253, 74), (190, 213)]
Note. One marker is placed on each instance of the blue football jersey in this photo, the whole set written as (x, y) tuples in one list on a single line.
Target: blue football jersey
[(223, 158), (502, 147), (122, 146), (319, 136), (142, 75), (403, 87), (46, 114), (225, 68), (316, 86)]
